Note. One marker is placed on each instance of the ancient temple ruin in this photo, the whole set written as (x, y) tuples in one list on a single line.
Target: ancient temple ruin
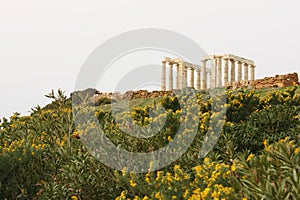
[(222, 72)]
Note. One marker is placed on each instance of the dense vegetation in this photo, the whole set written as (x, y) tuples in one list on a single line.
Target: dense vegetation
[(256, 156)]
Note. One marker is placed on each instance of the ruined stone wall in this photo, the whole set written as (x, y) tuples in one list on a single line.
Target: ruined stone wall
[(131, 94), (267, 82)]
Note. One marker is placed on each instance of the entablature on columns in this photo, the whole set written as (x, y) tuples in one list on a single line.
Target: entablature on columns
[(183, 63), (229, 57)]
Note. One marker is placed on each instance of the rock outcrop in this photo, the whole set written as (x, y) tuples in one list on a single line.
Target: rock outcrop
[(267, 82), (278, 81), (131, 94)]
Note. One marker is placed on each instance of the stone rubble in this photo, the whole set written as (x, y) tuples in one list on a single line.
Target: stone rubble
[(279, 81)]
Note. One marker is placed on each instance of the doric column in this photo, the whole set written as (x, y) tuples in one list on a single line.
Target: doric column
[(181, 76), (232, 70), (177, 75), (219, 72), (184, 78), (198, 84), (170, 76), (203, 75), (239, 78), (225, 71), (213, 73), (163, 76), (192, 77), (252, 72), (245, 71)]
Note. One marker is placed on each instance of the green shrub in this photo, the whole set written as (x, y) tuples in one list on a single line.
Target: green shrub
[(273, 124), (272, 175)]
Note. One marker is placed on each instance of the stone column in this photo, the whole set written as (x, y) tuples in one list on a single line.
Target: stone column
[(203, 75), (192, 77), (185, 76), (213, 74), (232, 70), (252, 72), (245, 71), (239, 78), (225, 71), (163, 76), (181, 75), (219, 73), (198, 84), (170, 76), (177, 75)]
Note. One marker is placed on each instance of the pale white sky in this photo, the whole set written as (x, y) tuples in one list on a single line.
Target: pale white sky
[(44, 43)]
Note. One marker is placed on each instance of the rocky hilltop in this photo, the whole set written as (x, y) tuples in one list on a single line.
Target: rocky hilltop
[(278, 81)]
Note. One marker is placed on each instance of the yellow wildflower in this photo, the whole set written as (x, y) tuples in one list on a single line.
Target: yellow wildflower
[(176, 167), (136, 198), (249, 157), (206, 160), (158, 195), (265, 143), (233, 167), (198, 168), (74, 197), (147, 179), (146, 198), (123, 195), (205, 193), (132, 183), (159, 175)]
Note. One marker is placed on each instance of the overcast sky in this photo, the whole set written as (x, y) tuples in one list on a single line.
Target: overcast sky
[(43, 44)]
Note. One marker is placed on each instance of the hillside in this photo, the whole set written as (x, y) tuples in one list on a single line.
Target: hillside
[(256, 156)]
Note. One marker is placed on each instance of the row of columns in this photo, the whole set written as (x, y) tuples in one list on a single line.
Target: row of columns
[(218, 75), (182, 69), (220, 69)]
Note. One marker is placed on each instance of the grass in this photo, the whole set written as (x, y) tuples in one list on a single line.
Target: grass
[(122, 105)]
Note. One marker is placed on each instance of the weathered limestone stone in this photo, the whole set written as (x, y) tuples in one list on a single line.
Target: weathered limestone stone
[(252, 72), (163, 76), (225, 71), (170, 76), (239, 78), (198, 83), (219, 72), (213, 74), (245, 71), (203, 75), (181, 79), (177, 75), (192, 77), (232, 75), (184, 77), (267, 82)]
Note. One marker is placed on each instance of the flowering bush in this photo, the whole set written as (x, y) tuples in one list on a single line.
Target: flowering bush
[(273, 174), (208, 180), (41, 156)]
